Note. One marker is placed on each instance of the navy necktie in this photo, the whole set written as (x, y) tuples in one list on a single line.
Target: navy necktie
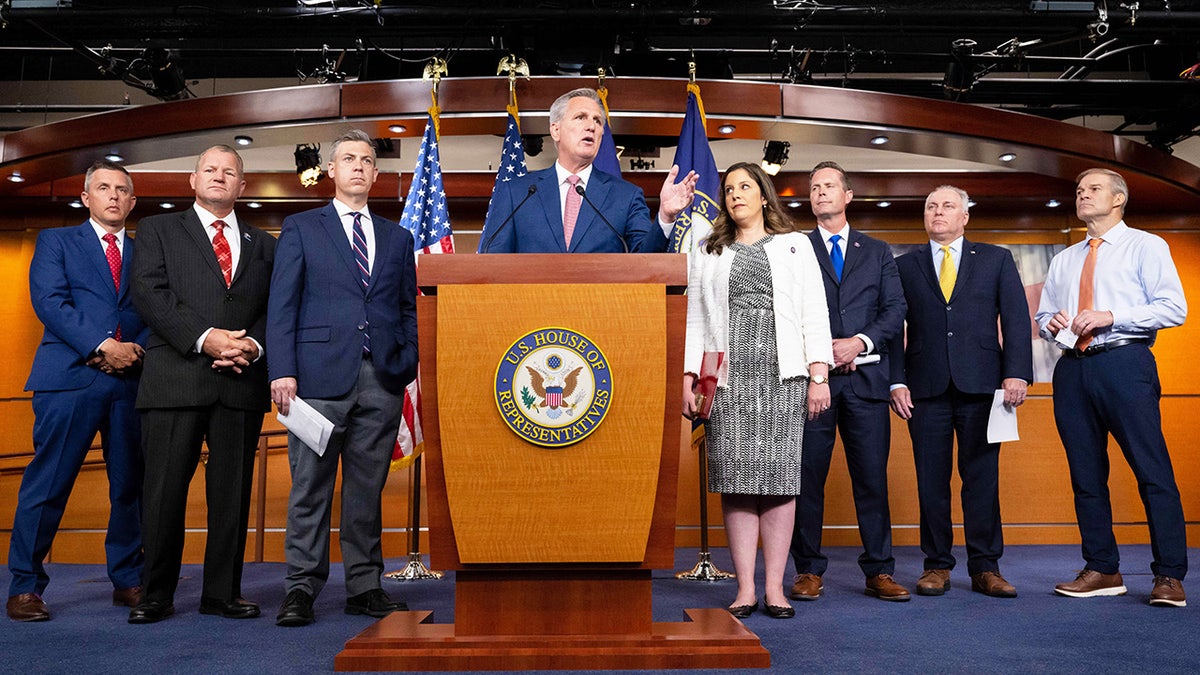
[(835, 255), (364, 269)]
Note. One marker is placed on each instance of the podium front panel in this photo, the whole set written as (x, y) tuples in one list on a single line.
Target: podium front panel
[(559, 484)]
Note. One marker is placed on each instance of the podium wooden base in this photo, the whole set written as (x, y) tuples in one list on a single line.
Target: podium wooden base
[(403, 641)]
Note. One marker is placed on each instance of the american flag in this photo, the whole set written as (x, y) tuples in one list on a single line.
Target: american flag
[(426, 218), (512, 159)]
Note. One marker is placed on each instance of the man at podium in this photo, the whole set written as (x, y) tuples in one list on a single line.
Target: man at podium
[(572, 207)]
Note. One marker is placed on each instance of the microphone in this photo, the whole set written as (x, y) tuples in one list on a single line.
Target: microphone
[(583, 193), (532, 190)]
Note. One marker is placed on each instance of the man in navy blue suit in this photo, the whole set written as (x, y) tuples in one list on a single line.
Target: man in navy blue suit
[(866, 313), (953, 363), (342, 335), (84, 380), (609, 217)]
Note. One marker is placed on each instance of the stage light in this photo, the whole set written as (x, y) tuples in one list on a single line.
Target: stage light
[(960, 71), (775, 155), (308, 163), (169, 84)]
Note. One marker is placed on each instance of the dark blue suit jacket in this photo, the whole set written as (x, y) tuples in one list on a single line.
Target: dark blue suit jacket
[(72, 292), (958, 341), (868, 300), (538, 226), (318, 309)]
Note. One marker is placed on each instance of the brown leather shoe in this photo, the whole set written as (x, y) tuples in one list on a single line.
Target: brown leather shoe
[(1091, 584), (884, 587), (1168, 592), (933, 582), (991, 583), (127, 597), (27, 607), (807, 587)]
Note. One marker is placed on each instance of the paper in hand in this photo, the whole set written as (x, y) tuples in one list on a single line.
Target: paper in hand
[(1002, 422), (1065, 338), (310, 426)]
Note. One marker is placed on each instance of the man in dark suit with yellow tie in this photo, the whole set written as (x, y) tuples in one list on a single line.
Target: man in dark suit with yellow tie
[(953, 362), (200, 281)]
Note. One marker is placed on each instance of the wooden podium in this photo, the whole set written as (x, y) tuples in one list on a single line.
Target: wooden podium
[(550, 403)]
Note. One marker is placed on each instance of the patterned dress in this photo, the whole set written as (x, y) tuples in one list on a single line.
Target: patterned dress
[(757, 426)]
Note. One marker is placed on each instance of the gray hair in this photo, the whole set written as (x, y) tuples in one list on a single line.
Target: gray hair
[(220, 147), (559, 107), (962, 195), (1119, 186), (102, 165), (352, 136)]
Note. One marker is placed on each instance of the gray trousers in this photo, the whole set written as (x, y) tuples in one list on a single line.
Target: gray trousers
[(365, 423)]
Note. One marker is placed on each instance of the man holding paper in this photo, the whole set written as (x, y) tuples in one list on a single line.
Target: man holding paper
[(342, 333), (1104, 301), (953, 362), (866, 312)]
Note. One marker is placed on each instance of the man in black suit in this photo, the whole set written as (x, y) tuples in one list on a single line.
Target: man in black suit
[(866, 312), (342, 332), (953, 363), (200, 282)]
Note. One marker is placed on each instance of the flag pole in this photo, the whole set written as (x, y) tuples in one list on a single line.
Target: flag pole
[(415, 569), (704, 569)]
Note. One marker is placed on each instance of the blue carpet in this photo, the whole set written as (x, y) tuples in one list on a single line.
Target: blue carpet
[(844, 632)]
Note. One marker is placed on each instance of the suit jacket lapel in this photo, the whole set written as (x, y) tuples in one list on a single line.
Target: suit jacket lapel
[(597, 193), (966, 265), (332, 224), (823, 259), (92, 249), (126, 266), (551, 207), (853, 253), (246, 246), (928, 271), (383, 242)]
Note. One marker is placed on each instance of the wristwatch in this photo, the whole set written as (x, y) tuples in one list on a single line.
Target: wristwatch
[(818, 379)]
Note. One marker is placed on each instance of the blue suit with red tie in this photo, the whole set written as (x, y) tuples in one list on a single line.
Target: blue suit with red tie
[(72, 290)]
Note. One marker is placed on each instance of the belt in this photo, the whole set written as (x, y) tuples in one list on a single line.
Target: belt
[(1104, 347)]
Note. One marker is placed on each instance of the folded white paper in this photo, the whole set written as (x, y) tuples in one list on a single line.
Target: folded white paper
[(864, 360), (1065, 338), (1002, 422), (310, 426)]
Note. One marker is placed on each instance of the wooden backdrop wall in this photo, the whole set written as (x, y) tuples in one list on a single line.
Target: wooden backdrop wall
[(1035, 489)]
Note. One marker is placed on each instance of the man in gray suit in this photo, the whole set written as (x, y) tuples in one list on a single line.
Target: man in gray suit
[(200, 282)]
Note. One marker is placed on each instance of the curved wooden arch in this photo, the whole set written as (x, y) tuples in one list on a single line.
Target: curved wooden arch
[(642, 106)]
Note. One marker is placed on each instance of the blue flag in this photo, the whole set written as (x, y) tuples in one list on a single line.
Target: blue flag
[(606, 158), (512, 161), (693, 225), (425, 212)]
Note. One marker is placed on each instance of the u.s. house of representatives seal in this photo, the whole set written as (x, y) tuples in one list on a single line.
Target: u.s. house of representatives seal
[(553, 387)]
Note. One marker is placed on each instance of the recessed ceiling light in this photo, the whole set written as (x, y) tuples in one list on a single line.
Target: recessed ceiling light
[(243, 140), (726, 128), (879, 140), (1008, 157), (970, 203), (16, 177), (114, 157), (75, 204), (1054, 203), (166, 205), (884, 204), (397, 128), (794, 204), (253, 205)]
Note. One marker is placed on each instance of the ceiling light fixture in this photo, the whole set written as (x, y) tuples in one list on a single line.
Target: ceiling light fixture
[(1008, 157), (308, 163), (727, 128), (243, 140), (879, 140), (16, 177), (794, 204), (114, 157), (775, 155), (166, 205), (75, 204), (397, 128), (253, 205), (884, 204), (1053, 203)]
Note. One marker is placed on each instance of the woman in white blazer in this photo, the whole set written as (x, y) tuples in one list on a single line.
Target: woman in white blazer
[(755, 294)]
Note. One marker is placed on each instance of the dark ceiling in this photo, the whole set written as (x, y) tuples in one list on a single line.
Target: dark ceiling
[(1131, 60)]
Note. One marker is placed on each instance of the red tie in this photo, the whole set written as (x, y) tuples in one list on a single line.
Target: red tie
[(114, 266), (221, 248), (571, 214), (1087, 287)]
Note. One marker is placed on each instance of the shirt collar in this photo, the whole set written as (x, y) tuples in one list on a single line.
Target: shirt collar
[(100, 232), (207, 218), (343, 210), (826, 235), (955, 246), (584, 174), (1114, 235)]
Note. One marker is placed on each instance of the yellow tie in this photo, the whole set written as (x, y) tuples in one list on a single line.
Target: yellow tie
[(947, 275)]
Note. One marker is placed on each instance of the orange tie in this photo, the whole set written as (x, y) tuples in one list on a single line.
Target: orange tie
[(1087, 288)]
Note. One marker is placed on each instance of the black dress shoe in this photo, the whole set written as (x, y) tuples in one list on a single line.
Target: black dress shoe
[(374, 602), (743, 611), (777, 611), (297, 609), (151, 611), (238, 608)]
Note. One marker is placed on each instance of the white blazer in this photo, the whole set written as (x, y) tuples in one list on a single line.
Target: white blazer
[(801, 316)]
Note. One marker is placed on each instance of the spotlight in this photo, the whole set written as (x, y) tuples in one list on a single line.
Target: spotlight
[(960, 72), (1007, 157), (532, 144), (397, 128), (727, 128), (169, 84), (308, 163), (775, 155), (243, 140), (114, 157), (16, 177), (879, 140)]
